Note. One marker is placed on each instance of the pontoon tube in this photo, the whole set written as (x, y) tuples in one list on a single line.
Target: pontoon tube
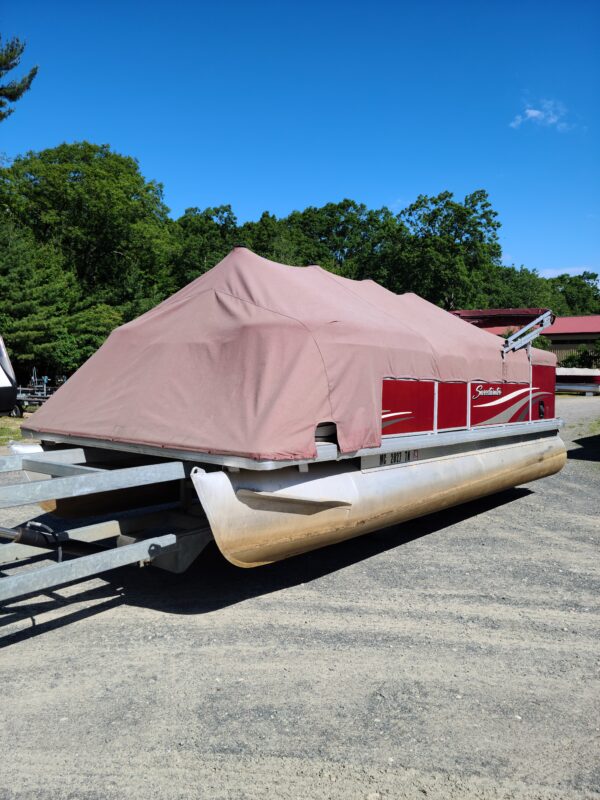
[(260, 517)]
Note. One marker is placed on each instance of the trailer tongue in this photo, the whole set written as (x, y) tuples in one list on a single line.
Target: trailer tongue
[(312, 409)]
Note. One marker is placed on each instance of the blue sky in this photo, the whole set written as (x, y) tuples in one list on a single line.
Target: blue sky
[(276, 106)]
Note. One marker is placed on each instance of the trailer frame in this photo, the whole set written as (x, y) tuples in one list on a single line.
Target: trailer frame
[(170, 537)]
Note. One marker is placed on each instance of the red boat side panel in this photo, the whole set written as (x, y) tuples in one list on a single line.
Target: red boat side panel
[(407, 406), (452, 405), (499, 403), (544, 385)]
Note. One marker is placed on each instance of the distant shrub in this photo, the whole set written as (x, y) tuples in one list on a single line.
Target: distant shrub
[(585, 357)]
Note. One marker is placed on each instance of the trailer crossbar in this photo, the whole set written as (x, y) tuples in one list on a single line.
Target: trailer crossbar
[(56, 469), (14, 463), (37, 580), (89, 482), (69, 455)]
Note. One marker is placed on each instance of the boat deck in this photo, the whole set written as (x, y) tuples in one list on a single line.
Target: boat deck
[(326, 451)]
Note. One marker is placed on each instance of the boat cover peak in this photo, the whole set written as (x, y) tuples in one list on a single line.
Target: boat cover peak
[(251, 356)]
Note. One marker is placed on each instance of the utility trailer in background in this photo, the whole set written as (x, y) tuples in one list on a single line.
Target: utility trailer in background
[(38, 390), (578, 380)]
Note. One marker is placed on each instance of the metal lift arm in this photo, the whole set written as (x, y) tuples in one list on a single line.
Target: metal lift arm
[(529, 332)]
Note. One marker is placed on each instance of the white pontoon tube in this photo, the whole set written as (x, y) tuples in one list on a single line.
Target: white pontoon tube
[(260, 517)]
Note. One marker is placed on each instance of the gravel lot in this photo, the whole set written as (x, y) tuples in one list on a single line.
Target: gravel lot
[(454, 657)]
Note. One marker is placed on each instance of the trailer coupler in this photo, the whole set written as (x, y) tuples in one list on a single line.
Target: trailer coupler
[(36, 534)]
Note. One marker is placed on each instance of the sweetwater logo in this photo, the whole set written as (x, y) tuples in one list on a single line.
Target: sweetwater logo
[(491, 392)]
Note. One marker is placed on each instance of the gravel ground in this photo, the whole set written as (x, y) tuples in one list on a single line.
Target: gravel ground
[(453, 657)]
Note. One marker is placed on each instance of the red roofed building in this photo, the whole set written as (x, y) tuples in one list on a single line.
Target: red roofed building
[(500, 320), (566, 334)]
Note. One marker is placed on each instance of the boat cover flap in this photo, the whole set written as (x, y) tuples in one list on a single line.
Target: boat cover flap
[(251, 356)]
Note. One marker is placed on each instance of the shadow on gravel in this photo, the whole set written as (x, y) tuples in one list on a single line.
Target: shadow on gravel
[(212, 583), (588, 449)]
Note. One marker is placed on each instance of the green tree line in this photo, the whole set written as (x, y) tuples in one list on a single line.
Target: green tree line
[(87, 243)]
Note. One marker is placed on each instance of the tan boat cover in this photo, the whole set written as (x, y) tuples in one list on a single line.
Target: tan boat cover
[(251, 356)]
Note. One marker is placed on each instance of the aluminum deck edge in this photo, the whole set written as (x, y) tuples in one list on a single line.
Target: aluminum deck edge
[(325, 451)]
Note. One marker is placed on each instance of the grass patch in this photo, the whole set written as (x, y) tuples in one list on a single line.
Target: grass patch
[(10, 428)]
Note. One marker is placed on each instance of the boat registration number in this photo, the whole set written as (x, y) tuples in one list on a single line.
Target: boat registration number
[(389, 459)]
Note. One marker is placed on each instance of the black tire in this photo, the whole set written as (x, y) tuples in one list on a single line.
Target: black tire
[(16, 411)]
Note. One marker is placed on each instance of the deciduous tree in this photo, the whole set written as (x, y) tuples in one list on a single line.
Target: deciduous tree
[(109, 223)]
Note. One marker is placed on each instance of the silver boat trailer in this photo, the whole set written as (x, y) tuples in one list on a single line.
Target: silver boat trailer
[(170, 537), (256, 511)]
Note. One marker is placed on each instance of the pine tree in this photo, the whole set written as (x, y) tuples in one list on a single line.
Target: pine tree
[(37, 298), (10, 56)]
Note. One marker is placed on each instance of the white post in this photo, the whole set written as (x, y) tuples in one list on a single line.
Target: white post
[(469, 405), (530, 381)]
